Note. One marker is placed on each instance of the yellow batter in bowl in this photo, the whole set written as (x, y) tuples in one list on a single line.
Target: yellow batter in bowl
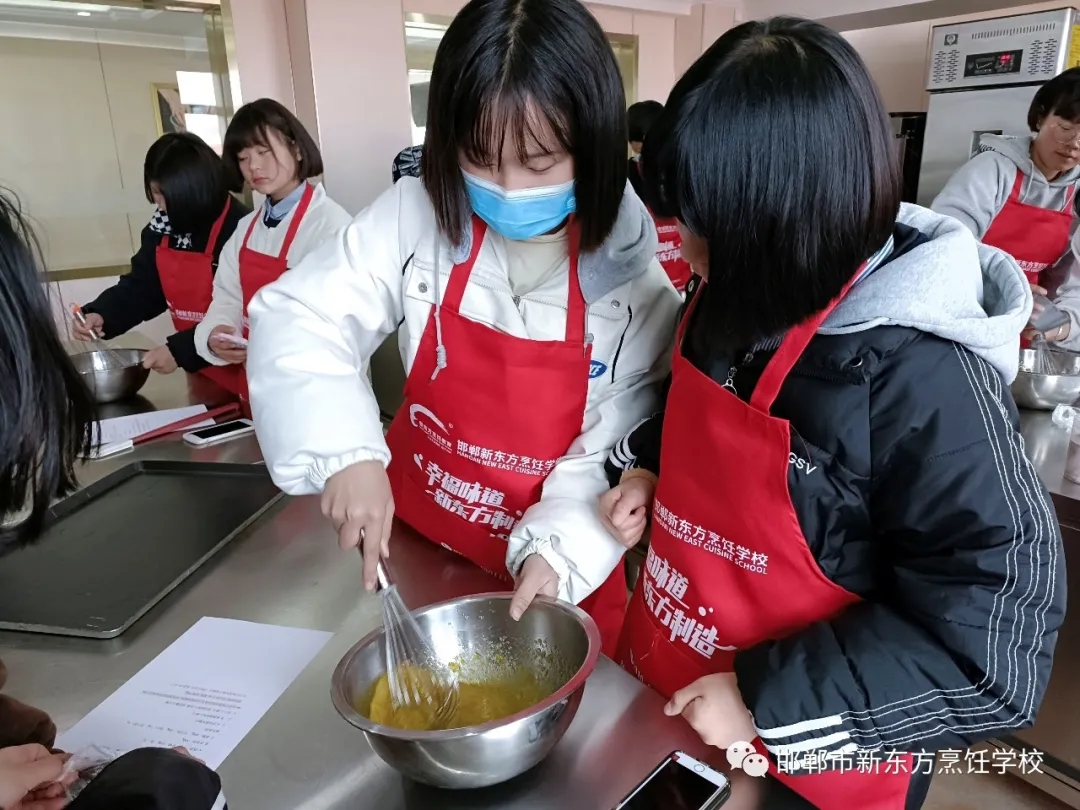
[(478, 703)]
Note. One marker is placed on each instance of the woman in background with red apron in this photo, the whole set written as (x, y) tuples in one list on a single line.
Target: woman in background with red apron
[(810, 602), (174, 268), (271, 150), (1018, 194), (639, 118)]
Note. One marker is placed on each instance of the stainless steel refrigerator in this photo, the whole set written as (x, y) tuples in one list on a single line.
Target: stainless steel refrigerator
[(983, 76)]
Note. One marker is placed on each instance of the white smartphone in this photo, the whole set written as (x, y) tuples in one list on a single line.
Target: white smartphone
[(219, 433), (235, 340), (680, 781)]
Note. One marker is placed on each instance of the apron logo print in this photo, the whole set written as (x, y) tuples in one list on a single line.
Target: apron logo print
[(596, 369), (699, 537), (743, 756), (665, 593), (468, 499), (497, 459), (428, 424)]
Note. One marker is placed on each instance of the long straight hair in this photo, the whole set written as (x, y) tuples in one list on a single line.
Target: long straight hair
[(774, 147), (540, 72), (46, 411)]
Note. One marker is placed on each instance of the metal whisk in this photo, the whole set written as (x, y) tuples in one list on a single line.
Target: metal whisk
[(111, 358), (416, 676), (1045, 362)]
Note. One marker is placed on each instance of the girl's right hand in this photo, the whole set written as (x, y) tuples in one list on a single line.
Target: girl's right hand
[(625, 509), (83, 331), (359, 503)]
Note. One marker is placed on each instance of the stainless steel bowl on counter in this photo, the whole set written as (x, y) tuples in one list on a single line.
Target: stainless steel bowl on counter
[(558, 639), (1044, 392), (105, 379)]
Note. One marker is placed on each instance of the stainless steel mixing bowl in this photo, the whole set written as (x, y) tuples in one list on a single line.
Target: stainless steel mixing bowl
[(1044, 392), (107, 382), (558, 641)]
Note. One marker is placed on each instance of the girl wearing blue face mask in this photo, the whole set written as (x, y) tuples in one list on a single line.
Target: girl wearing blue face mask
[(532, 317)]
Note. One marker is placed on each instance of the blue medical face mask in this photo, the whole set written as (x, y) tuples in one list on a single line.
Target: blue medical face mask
[(522, 214)]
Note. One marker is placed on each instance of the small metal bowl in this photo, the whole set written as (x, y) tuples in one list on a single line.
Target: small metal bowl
[(1044, 392), (107, 382), (561, 639)]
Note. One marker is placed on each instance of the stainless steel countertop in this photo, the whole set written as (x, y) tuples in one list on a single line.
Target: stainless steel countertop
[(288, 570), (1046, 445)]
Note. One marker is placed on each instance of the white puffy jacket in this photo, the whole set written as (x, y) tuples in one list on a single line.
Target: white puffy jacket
[(325, 219), (315, 330)]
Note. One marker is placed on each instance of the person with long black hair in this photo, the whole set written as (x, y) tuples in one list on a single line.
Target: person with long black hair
[(174, 268), (852, 564), (533, 320), (47, 418)]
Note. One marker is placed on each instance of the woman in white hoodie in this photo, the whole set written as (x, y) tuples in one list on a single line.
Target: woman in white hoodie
[(1018, 193), (273, 152), (533, 320)]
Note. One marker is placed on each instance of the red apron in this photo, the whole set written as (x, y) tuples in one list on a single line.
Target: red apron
[(669, 253), (471, 449), (1035, 237), (259, 269), (187, 279), (728, 566)]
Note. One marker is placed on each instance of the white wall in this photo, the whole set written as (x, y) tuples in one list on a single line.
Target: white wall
[(76, 119)]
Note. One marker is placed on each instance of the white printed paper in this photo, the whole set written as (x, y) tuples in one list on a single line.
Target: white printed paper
[(204, 692), (122, 428)]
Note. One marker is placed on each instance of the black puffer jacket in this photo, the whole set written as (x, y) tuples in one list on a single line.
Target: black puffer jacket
[(909, 479)]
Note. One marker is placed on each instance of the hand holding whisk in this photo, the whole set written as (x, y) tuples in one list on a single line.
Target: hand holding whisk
[(418, 680), (110, 356)]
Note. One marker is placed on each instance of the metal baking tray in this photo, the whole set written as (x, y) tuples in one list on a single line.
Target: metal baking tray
[(112, 551)]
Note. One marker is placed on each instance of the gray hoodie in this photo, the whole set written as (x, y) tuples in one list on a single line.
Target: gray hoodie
[(952, 286), (979, 189)]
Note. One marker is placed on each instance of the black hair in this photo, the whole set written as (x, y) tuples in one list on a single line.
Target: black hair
[(640, 118), (251, 125), (1060, 96), (46, 411), (191, 178), (544, 69), (775, 148)]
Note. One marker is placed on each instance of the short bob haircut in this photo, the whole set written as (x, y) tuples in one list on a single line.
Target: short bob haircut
[(775, 148), (46, 412), (542, 73), (1060, 96), (640, 118), (251, 126), (191, 178)]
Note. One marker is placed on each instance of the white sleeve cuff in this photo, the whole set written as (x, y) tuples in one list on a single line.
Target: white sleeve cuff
[(545, 547)]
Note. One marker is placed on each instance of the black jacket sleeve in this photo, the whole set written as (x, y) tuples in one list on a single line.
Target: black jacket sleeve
[(956, 641), (137, 296), (182, 346), (152, 779)]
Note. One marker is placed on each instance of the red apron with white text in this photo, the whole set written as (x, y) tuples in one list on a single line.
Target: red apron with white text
[(1035, 237), (187, 279), (471, 449), (259, 269), (728, 566), (669, 253)]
